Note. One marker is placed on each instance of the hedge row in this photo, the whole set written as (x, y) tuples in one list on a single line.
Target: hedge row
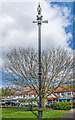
[(62, 105), (25, 100)]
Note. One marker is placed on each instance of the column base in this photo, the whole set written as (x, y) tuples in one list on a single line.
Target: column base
[(40, 114)]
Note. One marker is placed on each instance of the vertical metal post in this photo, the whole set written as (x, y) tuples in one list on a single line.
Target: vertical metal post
[(39, 54), (39, 23)]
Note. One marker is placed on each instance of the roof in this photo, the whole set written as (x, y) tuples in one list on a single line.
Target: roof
[(64, 89), (31, 92), (52, 96), (55, 94), (23, 92), (28, 92), (59, 89)]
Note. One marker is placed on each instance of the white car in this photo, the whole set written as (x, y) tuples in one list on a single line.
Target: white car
[(22, 104)]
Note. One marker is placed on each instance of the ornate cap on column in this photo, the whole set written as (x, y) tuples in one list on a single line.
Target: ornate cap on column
[(39, 9)]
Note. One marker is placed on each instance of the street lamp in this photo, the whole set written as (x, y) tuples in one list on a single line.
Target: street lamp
[(39, 23)]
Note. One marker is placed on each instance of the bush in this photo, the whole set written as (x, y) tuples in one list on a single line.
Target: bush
[(22, 101), (62, 105), (26, 100)]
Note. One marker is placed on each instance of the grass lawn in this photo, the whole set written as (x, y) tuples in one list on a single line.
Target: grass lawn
[(21, 112)]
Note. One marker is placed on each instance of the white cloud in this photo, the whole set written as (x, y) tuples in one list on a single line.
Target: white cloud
[(36, 0), (19, 31), (0, 62)]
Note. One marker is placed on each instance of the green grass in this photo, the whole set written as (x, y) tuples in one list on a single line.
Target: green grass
[(50, 113), (21, 112)]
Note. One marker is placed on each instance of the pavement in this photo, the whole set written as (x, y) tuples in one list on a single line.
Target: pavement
[(68, 116)]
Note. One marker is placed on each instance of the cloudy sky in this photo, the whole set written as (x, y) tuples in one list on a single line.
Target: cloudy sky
[(17, 29)]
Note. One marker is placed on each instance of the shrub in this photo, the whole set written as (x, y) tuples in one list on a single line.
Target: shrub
[(26, 100), (62, 105), (22, 101)]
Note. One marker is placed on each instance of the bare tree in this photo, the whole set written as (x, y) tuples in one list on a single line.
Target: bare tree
[(6, 91), (22, 66)]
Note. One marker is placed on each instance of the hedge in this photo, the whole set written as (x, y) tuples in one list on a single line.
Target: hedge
[(62, 105), (25, 100)]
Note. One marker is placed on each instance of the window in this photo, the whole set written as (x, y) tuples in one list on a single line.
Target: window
[(24, 95), (58, 93), (34, 95), (69, 93), (62, 93), (30, 95)]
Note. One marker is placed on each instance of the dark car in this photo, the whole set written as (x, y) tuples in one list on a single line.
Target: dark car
[(2, 103), (12, 103)]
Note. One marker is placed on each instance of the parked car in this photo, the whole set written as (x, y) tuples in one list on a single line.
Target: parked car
[(35, 105), (17, 103), (22, 105), (12, 103), (2, 102), (9, 102), (48, 104)]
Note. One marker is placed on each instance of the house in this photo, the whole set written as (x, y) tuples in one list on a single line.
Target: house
[(61, 94), (26, 94), (52, 97)]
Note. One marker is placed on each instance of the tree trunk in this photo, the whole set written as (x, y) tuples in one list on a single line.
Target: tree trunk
[(43, 102)]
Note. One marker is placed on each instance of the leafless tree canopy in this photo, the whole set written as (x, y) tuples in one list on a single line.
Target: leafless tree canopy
[(22, 66)]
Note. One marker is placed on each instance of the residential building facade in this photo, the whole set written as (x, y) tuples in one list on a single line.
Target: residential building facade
[(59, 95)]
